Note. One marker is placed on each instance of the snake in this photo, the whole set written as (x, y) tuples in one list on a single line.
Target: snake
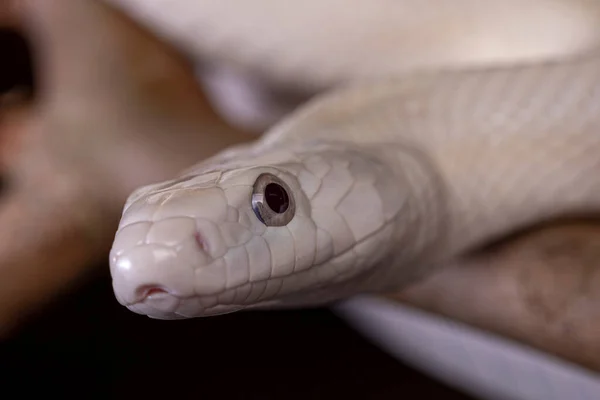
[(436, 128)]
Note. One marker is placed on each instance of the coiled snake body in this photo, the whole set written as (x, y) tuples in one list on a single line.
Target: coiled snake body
[(443, 126)]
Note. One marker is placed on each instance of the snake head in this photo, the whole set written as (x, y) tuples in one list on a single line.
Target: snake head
[(253, 233)]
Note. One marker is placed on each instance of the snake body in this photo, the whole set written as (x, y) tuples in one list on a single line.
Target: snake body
[(417, 152), (390, 176)]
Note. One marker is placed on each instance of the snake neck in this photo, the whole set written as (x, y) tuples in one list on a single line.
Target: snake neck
[(420, 240), (394, 207), (486, 152)]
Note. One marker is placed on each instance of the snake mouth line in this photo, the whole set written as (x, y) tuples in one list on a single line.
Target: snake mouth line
[(150, 310), (156, 292)]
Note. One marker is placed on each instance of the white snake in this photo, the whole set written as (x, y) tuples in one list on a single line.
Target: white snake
[(442, 130)]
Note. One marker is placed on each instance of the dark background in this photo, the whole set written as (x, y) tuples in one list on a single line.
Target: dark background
[(87, 345)]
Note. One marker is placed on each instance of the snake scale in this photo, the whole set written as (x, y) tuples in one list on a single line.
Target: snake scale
[(436, 128), (373, 183)]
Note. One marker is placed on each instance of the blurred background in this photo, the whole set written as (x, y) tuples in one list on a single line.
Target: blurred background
[(93, 106), (86, 344)]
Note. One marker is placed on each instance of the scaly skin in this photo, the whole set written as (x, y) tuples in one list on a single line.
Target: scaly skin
[(442, 171), (217, 256), (507, 148)]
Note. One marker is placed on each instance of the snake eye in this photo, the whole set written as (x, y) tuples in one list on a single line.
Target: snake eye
[(272, 201)]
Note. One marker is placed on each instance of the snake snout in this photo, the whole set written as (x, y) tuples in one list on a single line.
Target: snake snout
[(152, 273)]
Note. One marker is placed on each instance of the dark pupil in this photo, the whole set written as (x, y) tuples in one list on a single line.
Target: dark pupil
[(277, 198)]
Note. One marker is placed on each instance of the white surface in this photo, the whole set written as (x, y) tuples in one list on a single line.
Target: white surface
[(476, 362)]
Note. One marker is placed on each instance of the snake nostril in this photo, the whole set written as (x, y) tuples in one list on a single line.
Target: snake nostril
[(201, 242)]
